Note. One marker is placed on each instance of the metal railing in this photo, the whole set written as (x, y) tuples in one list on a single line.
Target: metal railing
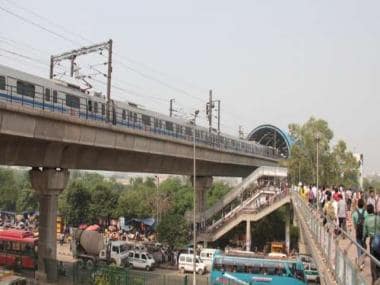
[(345, 270), (233, 215), (248, 183), (133, 120)]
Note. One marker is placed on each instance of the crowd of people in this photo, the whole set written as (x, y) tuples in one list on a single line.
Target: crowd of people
[(24, 221), (354, 213)]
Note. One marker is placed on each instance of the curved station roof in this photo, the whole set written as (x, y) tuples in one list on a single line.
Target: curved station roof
[(273, 136)]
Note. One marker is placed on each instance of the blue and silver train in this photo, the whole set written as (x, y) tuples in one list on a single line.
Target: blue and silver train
[(242, 270), (53, 95)]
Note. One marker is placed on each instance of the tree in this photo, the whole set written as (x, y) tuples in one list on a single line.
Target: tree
[(103, 201), (8, 190), (75, 204), (217, 191), (347, 165), (335, 167), (173, 230), (27, 198)]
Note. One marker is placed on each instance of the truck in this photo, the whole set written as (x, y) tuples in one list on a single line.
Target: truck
[(90, 248)]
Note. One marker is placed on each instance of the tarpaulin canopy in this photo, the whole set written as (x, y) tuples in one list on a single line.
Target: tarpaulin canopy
[(148, 221)]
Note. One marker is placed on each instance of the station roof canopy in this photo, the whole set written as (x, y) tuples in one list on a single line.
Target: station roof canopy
[(273, 136)]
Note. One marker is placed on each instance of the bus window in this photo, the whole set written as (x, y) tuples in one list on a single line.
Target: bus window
[(16, 246)]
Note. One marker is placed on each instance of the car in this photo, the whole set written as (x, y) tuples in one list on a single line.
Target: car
[(141, 260), (206, 256), (185, 264)]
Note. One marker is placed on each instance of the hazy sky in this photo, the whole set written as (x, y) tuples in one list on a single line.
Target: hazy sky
[(268, 61)]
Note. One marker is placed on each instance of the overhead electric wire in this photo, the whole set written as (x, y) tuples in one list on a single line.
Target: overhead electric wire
[(125, 66), (23, 56), (38, 25)]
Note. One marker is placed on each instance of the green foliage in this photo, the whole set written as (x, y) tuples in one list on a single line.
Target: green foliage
[(336, 166), (372, 182), (217, 191), (270, 228), (8, 190), (173, 230), (75, 203)]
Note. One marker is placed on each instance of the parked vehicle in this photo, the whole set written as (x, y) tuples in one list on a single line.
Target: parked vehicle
[(185, 264), (18, 248), (90, 247), (206, 256), (141, 260)]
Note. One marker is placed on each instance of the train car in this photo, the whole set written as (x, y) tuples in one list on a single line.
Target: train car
[(58, 96)]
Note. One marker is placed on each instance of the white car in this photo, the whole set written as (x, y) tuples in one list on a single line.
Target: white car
[(141, 260), (206, 257), (185, 264)]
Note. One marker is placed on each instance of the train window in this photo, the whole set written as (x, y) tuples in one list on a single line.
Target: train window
[(103, 109), (72, 101), (179, 129), (89, 105), (95, 107), (169, 126), (130, 116), (145, 119), (2, 82), (47, 94), (157, 123), (124, 115), (188, 131), (25, 88), (135, 117), (55, 96)]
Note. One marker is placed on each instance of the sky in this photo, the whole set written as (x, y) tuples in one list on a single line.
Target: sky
[(276, 62)]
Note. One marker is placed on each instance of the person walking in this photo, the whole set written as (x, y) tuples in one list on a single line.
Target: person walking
[(329, 211), (370, 229), (342, 213), (358, 218)]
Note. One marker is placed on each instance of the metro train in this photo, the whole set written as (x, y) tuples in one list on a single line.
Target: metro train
[(54, 95)]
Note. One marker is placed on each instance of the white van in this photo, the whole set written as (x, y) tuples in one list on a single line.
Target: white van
[(185, 264), (206, 256), (141, 259)]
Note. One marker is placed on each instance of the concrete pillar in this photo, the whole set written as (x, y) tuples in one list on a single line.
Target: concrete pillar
[(248, 235), (287, 235), (202, 183), (48, 182)]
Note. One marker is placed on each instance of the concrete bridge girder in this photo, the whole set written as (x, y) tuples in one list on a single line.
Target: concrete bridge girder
[(38, 138)]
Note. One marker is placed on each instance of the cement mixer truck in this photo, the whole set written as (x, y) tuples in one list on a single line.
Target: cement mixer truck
[(90, 247)]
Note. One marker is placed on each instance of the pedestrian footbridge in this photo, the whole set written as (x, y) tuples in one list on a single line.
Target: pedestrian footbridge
[(335, 255)]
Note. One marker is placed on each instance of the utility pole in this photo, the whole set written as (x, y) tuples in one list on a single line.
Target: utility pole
[(74, 54), (209, 108), (171, 110), (218, 101)]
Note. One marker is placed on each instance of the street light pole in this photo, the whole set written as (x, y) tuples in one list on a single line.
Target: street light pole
[(157, 185), (318, 138), (194, 203)]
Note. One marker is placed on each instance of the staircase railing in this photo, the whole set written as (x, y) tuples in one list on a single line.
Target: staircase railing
[(247, 182)]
